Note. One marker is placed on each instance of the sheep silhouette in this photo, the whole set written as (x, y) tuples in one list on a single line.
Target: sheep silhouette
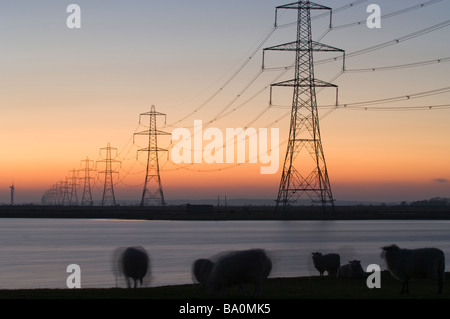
[(134, 263), (250, 266), (405, 264), (329, 263)]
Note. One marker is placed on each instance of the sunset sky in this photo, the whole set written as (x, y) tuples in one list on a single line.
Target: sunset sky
[(67, 93)]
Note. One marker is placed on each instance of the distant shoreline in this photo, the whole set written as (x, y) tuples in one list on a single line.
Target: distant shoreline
[(210, 212)]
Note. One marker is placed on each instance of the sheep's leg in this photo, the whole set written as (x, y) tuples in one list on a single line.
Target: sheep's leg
[(242, 289), (128, 282), (405, 287), (258, 290)]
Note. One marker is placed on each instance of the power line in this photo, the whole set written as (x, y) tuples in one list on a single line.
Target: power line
[(399, 66), (399, 108), (390, 43), (388, 15), (228, 81), (396, 98)]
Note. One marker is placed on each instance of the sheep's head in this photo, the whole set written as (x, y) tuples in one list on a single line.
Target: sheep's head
[(386, 249), (355, 264), (390, 248), (201, 269), (316, 255)]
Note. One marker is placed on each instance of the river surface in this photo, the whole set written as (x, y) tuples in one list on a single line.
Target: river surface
[(35, 253)]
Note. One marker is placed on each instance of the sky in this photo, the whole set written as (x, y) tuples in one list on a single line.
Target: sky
[(65, 93)]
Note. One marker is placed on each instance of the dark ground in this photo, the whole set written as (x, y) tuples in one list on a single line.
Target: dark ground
[(313, 287)]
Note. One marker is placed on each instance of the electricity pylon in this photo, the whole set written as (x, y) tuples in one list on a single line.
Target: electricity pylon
[(305, 175), (86, 200), (108, 190), (64, 188), (73, 198), (12, 193), (152, 192)]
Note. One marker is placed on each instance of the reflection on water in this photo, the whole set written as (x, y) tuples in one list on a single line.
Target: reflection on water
[(36, 252)]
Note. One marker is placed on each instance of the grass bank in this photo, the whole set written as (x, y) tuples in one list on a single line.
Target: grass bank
[(314, 287)]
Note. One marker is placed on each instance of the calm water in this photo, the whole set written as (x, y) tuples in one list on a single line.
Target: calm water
[(36, 252)]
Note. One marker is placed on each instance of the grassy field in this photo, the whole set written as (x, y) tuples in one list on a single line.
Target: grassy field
[(314, 287)]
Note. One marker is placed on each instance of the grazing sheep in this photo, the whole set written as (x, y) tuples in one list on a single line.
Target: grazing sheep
[(240, 267), (201, 269), (135, 264), (351, 270), (329, 263), (405, 264)]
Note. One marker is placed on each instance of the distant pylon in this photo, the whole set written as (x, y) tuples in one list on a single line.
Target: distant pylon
[(152, 192), (108, 197), (305, 175), (65, 192), (59, 193), (12, 194), (87, 194), (73, 184)]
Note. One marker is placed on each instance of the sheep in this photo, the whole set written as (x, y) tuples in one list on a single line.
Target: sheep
[(135, 264), (351, 270), (329, 263), (404, 264), (201, 269), (240, 267)]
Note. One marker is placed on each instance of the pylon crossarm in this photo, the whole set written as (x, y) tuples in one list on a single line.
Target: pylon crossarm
[(303, 5), (153, 132), (292, 46), (304, 83), (152, 149)]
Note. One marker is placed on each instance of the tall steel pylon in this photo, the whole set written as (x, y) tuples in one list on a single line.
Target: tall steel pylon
[(152, 192), (305, 176), (86, 200), (108, 197), (73, 198)]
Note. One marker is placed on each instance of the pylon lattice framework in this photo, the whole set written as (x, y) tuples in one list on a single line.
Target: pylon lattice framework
[(108, 198), (152, 193), (73, 198), (305, 175), (87, 194)]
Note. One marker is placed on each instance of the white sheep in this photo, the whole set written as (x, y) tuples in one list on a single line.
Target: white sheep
[(351, 270), (328, 262), (405, 264), (251, 266)]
